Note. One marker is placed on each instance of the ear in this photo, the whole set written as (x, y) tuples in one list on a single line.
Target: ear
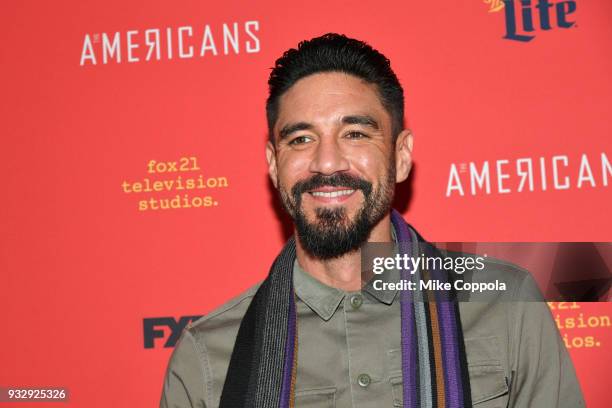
[(271, 158), (403, 155)]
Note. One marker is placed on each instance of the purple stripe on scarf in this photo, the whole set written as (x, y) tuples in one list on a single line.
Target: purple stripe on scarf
[(454, 339), (409, 346), (286, 390), (450, 354), (450, 348)]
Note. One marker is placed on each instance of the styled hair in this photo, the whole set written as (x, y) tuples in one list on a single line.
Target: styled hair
[(333, 52)]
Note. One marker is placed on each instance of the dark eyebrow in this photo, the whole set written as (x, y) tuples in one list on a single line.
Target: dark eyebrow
[(294, 127), (360, 120)]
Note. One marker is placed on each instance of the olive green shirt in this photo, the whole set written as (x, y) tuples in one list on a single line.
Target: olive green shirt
[(349, 352)]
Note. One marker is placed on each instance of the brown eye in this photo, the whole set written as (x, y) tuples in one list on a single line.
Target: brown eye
[(356, 135), (300, 140)]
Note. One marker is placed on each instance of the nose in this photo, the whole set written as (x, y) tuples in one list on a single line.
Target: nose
[(328, 157)]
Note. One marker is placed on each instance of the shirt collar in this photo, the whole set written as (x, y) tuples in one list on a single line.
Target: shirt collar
[(324, 300), (385, 296)]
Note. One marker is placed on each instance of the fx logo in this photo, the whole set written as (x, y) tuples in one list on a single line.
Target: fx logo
[(162, 327), (525, 23)]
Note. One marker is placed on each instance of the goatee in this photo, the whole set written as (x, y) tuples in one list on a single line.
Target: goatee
[(333, 233)]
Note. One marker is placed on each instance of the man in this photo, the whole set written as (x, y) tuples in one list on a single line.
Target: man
[(310, 335)]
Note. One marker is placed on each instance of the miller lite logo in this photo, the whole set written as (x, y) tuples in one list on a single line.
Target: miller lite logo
[(524, 17)]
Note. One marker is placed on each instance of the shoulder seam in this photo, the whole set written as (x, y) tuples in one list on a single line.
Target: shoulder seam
[(250, 293), (205, 366)]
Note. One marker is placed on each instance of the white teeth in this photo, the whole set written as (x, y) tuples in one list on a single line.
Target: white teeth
[(332, 194)]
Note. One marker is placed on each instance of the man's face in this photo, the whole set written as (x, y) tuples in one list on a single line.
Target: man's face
[(333, 161)]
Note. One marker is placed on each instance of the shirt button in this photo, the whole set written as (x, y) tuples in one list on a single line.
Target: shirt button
[(364, 380), (356, 301)]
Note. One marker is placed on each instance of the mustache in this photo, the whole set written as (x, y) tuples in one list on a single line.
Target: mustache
[(335, 180)]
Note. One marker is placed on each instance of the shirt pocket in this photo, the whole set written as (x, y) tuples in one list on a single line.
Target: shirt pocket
[(488, 382), (324, 397)]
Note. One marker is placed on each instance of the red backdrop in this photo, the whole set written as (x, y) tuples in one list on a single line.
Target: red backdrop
[(94, 91)]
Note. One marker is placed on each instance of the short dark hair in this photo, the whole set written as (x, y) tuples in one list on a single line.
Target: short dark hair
[(333, 52)]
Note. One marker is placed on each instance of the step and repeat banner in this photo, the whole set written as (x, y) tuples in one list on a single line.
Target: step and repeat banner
[(135, 191)]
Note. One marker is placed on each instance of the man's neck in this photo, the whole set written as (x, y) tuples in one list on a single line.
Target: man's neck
[(343, 272)]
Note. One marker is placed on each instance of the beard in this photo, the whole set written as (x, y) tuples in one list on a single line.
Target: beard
[(333, 233)]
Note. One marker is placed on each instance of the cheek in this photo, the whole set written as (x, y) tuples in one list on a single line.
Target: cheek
[(371, 164), (291, 168)]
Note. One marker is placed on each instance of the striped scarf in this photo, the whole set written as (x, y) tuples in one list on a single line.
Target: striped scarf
[(262, 369)]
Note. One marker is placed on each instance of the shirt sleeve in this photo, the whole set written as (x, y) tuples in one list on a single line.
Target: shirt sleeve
[(184, 384), (543, 374)]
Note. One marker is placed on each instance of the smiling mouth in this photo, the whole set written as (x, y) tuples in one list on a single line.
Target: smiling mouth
[(332, 194)]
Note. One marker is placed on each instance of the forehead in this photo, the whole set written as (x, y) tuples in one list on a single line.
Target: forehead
[(324, 98)]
